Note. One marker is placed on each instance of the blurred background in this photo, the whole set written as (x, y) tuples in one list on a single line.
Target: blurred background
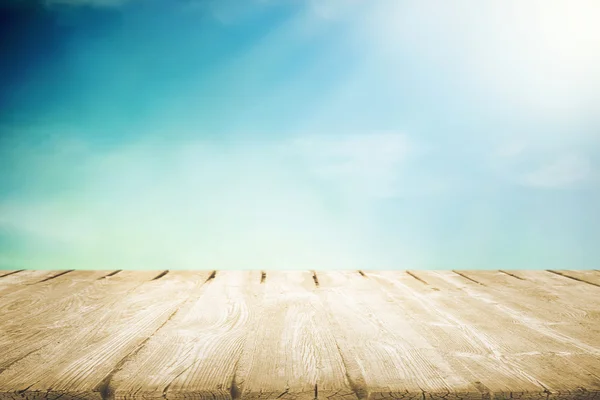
[(347, 134)]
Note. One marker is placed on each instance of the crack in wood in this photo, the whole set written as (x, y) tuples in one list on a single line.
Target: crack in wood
[(468, 277), (234, 389), (157, 277), (513, 275), (2, 369), (212, 276), (416, 277), (166, 389), (105, 389), (353, 381), (56, 276), (358, 385), (12, 273), (315, 278), (573, 277), (111, 274)]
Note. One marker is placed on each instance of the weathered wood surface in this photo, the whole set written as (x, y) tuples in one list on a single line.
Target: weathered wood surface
[(297, 335)]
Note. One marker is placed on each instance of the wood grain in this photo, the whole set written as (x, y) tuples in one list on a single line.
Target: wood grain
[(299, 335), (82, 363), (290, 351), (529, 301), (468, 355), (524, 344), (17, 281), (40, 319), (384, 354), (197, 351), (589, 277)]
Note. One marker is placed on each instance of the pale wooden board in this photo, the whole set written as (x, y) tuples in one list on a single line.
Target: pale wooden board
[(196, 353), (461, 295), (525, 345), (540, 320), (533, 302), (583, 294), (589, 277), (80, 364), (469, 358), (41, 294), (21, 280), (210, 347), (37, 321), (290, 351), (383, 334), (579, 298), (384, 354)]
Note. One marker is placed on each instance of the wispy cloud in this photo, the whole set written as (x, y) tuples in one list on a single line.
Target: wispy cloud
[(426, 126), (511, 149), (545, 162), (563, 172), (369, 164), (185, 205)]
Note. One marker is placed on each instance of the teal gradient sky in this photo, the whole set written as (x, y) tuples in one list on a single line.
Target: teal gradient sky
[(218, 134)]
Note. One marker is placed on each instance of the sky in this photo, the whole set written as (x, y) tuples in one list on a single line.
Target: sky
[(299, 134)]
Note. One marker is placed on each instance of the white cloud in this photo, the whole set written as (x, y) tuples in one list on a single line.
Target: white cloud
[(511, 149), (542, 160), (563, 172), (366, 163), (180, 205)]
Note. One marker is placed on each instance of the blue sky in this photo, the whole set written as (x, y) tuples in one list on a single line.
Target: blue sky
[(300, 134)]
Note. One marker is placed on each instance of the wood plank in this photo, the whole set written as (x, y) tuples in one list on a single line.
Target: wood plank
[(467, 355), (290, 352), (531, 302), (19, 281), (589, 277), (538, 320), (196, 354), (578, 297), (514, 341), (384, 356), (42, 294), (29, 324), (512, 282), (561, 286), (297, 335), (80, 364)]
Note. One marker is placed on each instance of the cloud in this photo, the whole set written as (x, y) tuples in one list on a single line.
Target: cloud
[(563, 172), (544, 159), (160, 204), (365, 163), (511, 149)]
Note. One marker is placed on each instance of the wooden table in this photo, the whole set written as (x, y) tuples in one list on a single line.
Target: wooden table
[(299, 335)]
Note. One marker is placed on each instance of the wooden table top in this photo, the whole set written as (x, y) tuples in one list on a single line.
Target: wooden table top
[(296, 335)]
